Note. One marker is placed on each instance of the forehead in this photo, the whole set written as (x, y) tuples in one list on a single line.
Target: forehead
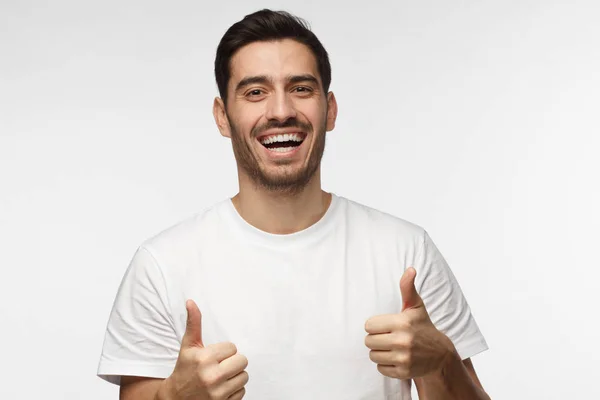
[(277, 59)]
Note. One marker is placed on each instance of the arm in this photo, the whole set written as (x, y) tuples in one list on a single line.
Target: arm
[(139, 388), (451, 315), (213, 372), (456, 380), (140, 338), (144, 388), (409, 346)]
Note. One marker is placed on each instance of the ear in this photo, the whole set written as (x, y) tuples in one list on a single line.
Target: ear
[(221, 117), (332, 110)]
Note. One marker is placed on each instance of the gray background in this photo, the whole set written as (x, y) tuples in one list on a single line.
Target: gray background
[(477, 120)]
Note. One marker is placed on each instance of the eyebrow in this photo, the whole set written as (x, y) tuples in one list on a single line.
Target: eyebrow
[(250, 80)]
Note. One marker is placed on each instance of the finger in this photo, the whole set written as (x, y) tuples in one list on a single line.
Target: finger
[(193, 329), (393, 371), (236, 383), (381, 341), (222, 351), (238, 395), (381, 323), (233, 365), (383, 357), (410, 297)]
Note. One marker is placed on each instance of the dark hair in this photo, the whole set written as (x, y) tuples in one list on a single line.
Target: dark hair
[(267, 25)]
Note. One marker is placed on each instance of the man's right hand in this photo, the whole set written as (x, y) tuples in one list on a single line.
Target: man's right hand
[(213, 372)]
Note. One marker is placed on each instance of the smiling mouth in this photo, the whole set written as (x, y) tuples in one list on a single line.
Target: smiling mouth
[(283, 143)]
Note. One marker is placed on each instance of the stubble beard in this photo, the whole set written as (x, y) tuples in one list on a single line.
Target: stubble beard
[(283, 181)]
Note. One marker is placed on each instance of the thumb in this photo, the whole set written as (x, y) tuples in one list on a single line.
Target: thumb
[(193, 329), (410, 297)]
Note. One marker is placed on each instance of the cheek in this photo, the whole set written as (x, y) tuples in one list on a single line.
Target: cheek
[(316, 114), (244, 124)]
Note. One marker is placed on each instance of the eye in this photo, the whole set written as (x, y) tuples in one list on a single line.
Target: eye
[(254, 92), (302, 89)]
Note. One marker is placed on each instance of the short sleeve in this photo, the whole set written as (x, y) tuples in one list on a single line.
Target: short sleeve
[(445, 302), (140, 338)]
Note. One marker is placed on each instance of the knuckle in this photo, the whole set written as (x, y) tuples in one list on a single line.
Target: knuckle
[(187, 356), (414, 344), (211, 378), (405, 340), (218, 394), (398, 341), (232, 346), (405, 324), (239, 394), (203, 357), (407, 359), (410, 341), (401, 372), (214, 395)]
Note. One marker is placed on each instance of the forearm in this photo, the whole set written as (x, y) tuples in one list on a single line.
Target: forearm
[(452, 382), (143, 388), (164, 391)]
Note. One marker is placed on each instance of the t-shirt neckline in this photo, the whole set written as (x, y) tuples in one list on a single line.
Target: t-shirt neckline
[(251, 233)]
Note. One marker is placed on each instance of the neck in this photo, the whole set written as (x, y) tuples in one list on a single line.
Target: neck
[(282, 213)]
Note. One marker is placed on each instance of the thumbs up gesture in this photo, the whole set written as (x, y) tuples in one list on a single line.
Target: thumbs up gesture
[(407, 345), (212, 372)]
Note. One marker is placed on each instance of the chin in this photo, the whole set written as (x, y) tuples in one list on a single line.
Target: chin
[(291, 180)]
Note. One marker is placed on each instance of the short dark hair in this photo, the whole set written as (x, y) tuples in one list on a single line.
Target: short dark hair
[(267, 25)]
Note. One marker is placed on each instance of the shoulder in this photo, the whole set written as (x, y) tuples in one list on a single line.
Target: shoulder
[(186, 234), (380, 223)]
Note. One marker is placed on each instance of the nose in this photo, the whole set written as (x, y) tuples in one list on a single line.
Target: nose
[(280, 107)]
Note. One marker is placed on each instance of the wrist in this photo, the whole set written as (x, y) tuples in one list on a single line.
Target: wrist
[(449, 359), (166, 390), (452, 356), (451, 362)]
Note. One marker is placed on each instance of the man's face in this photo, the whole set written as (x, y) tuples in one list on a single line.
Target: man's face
[(277, 114)]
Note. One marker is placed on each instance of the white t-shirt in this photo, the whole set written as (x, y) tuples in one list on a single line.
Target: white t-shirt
[(295, 305)]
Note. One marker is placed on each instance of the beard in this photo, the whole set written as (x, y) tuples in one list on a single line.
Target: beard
[(284, 178)]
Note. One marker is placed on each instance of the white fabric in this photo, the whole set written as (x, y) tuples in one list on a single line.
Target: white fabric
[(295, 305)]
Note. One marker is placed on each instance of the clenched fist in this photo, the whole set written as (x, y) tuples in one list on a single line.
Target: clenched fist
[(213, 372), (407, 345)]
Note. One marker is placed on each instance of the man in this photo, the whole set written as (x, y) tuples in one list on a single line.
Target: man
[(286, 291)]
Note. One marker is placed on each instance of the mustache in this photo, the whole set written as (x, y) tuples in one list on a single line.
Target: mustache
[(289, 123)]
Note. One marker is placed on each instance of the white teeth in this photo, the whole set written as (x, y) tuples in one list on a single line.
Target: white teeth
[(281, 149), (282, 138)]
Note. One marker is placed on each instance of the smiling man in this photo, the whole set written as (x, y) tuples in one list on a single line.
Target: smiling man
[(286, 291)]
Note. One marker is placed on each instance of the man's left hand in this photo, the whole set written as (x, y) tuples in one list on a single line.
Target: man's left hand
[(407, 345)]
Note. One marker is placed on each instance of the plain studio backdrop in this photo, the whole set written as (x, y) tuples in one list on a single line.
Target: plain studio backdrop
[(477, 120)]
